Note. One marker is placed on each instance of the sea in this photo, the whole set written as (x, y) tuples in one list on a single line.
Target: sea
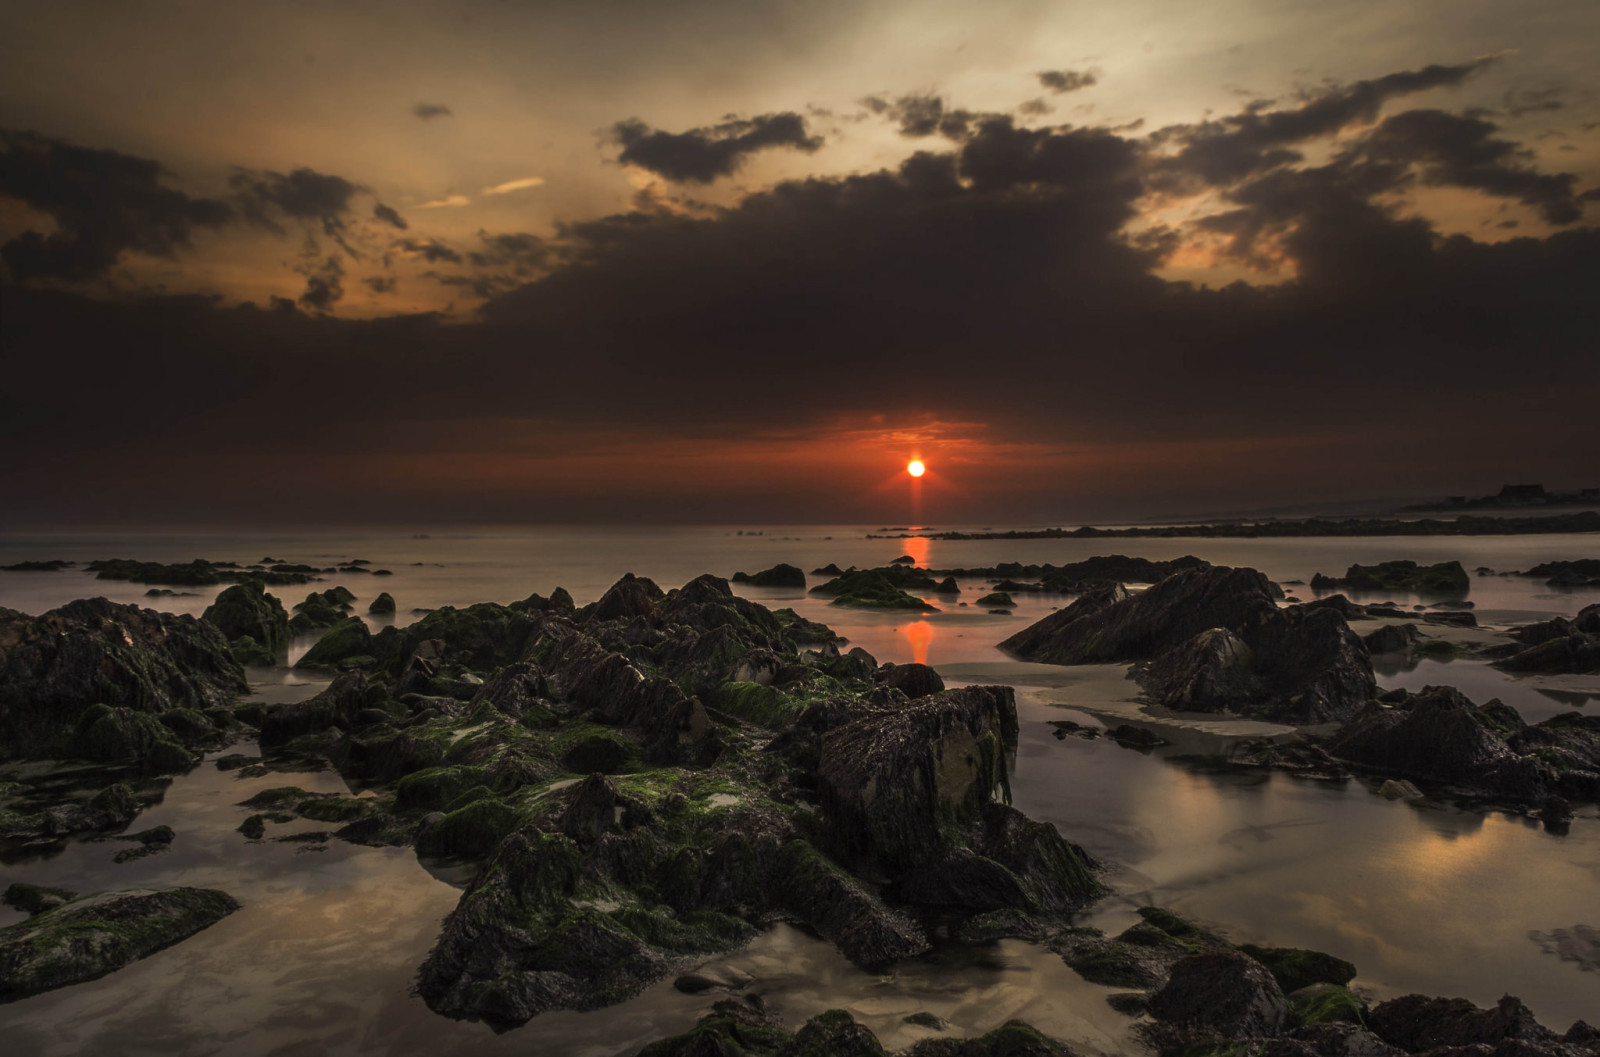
[(1420, 895)]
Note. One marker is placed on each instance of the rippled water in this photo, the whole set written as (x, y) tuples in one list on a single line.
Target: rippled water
[(321, 958)]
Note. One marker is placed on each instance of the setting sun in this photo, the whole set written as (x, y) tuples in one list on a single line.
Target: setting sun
[(915, 468)]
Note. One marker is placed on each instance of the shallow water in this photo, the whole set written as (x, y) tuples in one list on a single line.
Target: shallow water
[(321, 958)]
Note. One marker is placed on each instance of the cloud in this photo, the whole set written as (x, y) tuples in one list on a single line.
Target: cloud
[(324, 285), (430, 250), (389, 216), (924, 115), (429, 111), (701, 155), (447, 202), (381, 284), (104, 204), (515, 185), (1235, 147), (1062, 81)]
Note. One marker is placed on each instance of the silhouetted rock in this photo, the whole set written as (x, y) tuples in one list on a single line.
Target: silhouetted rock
[(913, 680), (1445, 577), (1225, 992), (382, 606), (780, 575), (1418, 1023), (1392, 638)]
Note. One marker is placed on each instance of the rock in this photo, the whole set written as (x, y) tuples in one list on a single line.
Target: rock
[(246, 609), (1452, 618), (250, 653), (890, 781), (1131, 737), (55, 667), (1399, 576), (254, 827), (86, 938), (1392, 638), (1295, 665), (780, 575), (1295, 968), (1417, 1022), (913, 680), (1341, 605), (872, 589), (382, 606), (346, 639), (35, 899), (114, 735), (995, 599), (1393, 789), (1225, 992), (1325, 1003), (904, 559), (337, 706), (1107, 627), (1578, 653), (631, 596)]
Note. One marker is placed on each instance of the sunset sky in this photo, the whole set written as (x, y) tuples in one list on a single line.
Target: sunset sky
[(702, 261)]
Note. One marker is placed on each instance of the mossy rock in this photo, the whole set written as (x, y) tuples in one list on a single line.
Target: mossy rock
[(998, 599), (470, 833), (247, 611), (1437, 648), (346, 639), (35, 899), (332, 809), (254, 827), (252, 654), (87, 938), (765, 706), (600, 753), (434, 788), (382, 606), (1295, 968), (1324, 1004)]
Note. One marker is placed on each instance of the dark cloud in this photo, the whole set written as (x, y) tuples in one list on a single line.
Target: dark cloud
[(924, 115), (381, 284), (1063, 81), (1233, 148), (992, 281), (429, 111), (324, 285), (389, 216), (430, 250), (104, 204), (703, 154), (1460, 151)]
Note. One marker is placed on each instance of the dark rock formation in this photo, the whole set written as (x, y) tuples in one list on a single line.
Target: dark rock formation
[(346, 639), (884, 588), (1443, 578), (382, 606), (86, 938), (780, 575), (1392, 638), (246, 609), (1085, 575), (1439, 736), (1418, 1023), (1223, 992), (54, 667), (744, 1029), (1576, 652), (913, 680)]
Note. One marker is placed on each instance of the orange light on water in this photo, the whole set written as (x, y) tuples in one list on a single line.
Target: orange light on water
[(920, 635), (915, 468)]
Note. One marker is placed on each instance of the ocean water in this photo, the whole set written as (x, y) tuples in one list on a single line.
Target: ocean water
[(1425, 897)]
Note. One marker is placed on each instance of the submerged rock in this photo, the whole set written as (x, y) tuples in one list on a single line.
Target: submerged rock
[(86, 938)]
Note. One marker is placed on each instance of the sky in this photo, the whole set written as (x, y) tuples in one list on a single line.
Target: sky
[(472, 261)]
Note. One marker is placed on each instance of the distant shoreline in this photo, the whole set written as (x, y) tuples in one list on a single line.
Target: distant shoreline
[(1588, 521)]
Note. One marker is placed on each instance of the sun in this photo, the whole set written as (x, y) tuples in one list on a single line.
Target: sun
[(915, 468)]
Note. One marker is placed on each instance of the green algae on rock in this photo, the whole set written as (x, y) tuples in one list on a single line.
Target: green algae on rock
[(86, 938)]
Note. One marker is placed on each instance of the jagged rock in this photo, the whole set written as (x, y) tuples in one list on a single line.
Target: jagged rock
[(1112, 626), (1300, 665), (111, 734), (86, 938), (889, 780), (56, 666), (246, 609), (631, 596), (1341, 605), (1225, 992), (1576, 653), (1417, 1023), (1392, 638), (780, 575)]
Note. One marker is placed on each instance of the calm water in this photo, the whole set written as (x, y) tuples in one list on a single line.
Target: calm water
[(321, 958)]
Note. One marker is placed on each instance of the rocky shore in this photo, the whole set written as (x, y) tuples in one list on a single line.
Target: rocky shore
[(646, 781)]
